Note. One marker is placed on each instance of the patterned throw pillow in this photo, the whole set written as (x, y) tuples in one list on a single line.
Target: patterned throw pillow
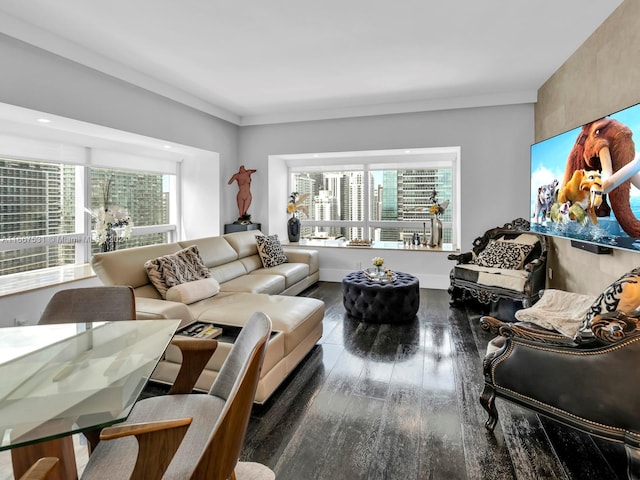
[(270, 250), (176, 268), (503, 255), (622, 295)]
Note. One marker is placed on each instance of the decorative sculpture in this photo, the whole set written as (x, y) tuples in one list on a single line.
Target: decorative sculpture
[(243, 177)]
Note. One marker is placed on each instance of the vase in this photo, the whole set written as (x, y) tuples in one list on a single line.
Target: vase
[(435, 239), (293, 229), (111, 238), (379, 271)]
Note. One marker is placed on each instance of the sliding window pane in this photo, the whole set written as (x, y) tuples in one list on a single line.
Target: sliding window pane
[(331, 196), (36, 199)]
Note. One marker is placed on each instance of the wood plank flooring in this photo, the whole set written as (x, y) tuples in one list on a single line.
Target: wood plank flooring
[(401, 402)]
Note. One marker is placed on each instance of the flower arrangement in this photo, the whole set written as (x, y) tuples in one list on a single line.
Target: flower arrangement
[(108, 219), (296, 203), (436, 208), (377, 261)]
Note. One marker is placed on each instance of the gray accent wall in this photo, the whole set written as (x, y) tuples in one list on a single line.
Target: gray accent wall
[(35, 79), (494, 145), (601, 77)]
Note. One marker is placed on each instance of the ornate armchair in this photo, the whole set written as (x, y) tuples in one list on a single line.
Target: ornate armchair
[(507, 262), (588, 381)]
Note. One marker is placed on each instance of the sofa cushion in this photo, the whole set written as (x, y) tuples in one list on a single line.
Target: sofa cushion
[(243, 243), (491, 276), (193, 291), (174, 269), (126, 266), (271, 284), (501, 254), (296, 317), (214, 251), (270, 250), (622, 295), (292, 272)]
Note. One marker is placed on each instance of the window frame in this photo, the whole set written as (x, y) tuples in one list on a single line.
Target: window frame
[(82, 237), (367, 161)]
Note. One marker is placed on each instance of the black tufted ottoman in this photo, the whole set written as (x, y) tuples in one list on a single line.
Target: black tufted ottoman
[(376, 302)]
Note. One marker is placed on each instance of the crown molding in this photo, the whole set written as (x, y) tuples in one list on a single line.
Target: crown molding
[(54, 44), (427, 105)]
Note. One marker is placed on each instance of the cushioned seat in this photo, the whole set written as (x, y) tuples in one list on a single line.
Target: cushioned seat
[(292, 272), (266, 283), (375, 302), (506, 263), (580, 370)]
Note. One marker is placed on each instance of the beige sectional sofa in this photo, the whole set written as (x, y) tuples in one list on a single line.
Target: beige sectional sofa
[(245, 287)]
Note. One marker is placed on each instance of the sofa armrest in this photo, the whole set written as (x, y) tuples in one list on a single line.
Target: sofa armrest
[(302, 255), (524, 330), (154, 308), (461, 257)]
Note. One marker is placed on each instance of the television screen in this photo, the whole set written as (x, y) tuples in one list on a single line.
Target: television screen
[(585, 183)]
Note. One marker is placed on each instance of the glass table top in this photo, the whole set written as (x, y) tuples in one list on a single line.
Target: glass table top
[(60, 379)]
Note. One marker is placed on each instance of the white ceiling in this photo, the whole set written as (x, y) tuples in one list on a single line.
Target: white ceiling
[(263, 61)]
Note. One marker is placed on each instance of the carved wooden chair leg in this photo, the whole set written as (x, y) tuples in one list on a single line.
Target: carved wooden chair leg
[(488, 402), (633, 461)]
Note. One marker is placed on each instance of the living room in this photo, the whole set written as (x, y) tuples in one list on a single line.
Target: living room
[(494, 140), (567, 99)]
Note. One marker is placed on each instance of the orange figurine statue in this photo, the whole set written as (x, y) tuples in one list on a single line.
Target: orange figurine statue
[(243, 177)]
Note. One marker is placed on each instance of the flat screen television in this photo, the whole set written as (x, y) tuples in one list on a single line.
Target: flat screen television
[(572, 193)]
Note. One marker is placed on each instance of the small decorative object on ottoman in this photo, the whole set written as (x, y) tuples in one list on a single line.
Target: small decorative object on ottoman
[(376, 301)]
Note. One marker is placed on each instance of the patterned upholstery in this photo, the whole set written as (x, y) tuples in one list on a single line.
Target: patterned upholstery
[(270, 250), (504, 255), (180, 267), (506, 269), (622, 295)]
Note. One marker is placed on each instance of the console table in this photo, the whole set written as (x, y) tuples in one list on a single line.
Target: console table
[(376, 302), (241, 227)]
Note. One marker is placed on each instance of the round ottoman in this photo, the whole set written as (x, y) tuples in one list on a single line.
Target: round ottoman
[(376, 302)]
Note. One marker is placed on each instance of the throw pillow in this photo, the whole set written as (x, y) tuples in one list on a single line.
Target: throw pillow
[(193, 291), (503, 255), (176, 268), (622, 295), (270, 250)]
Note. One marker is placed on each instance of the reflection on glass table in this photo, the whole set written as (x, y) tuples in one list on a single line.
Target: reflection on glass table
[(56, 380)]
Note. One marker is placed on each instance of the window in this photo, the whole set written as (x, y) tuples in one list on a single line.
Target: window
[(43, 217), (387, 196), (145, 196)]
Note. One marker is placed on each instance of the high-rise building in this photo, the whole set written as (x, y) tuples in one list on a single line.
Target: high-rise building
[(39, 199)]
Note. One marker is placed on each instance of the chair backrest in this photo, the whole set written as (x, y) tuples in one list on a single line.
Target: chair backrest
[(92, 304), (236, 383)]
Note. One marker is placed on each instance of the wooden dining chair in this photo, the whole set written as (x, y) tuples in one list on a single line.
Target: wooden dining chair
[(206, 432), (40, 470), (90, 304)]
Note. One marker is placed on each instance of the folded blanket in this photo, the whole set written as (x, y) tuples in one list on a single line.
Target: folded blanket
[(558, 310)]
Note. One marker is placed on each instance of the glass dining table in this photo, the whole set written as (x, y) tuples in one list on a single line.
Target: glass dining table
[(57, 380)]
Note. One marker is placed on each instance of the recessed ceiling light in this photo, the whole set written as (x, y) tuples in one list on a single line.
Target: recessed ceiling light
[(167, 146), (43, 120), (407, 151)]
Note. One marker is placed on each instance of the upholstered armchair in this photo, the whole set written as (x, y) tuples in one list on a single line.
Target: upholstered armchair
[(589, 380), (507, 262)]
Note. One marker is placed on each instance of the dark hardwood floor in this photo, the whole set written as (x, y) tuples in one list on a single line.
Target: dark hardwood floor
[(401, 402)]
